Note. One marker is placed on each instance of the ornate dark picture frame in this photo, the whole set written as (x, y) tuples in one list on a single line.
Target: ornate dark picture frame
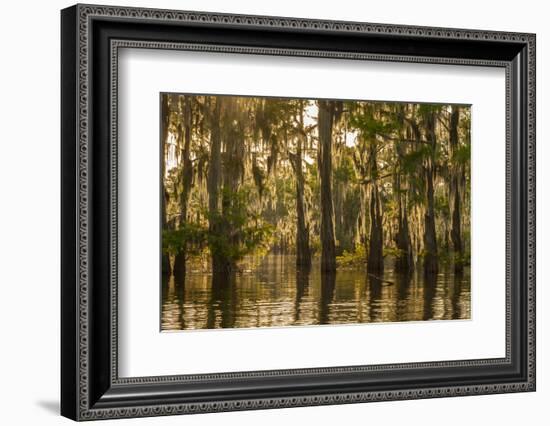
[(90, 385)]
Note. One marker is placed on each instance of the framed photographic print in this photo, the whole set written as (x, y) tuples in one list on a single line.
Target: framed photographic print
[(263, 212)]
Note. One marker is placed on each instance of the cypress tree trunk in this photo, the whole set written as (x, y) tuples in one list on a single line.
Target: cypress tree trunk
[(375, 260), (219, 265), (404, 260), (187, 178), (430, 241), (303, 254), (165, 259), (233, 170), (328, 246), (337, 203), (456, 235)]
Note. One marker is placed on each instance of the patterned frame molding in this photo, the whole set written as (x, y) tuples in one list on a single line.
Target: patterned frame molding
[(82, 400)]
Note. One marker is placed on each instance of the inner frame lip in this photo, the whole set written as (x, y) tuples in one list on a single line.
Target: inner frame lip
[(117, 44)]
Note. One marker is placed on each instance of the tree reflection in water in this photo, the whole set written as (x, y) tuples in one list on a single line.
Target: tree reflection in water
[(277, 294)]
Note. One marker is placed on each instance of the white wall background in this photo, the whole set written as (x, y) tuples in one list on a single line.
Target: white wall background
[(29, 211)]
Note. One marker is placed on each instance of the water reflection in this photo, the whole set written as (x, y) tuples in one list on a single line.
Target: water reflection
[(276, 294)]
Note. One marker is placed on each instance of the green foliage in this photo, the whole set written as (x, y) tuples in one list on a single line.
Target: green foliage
[(393, 252), (462, 155), (372, 124), (414, 159), (391, 208), (425, 109), (344, 172), (315, 244), (442, 204), (237, 231), (355, 258), (189, 237), (463, 260)]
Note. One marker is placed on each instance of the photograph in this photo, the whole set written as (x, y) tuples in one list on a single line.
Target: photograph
[(283, 211)]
